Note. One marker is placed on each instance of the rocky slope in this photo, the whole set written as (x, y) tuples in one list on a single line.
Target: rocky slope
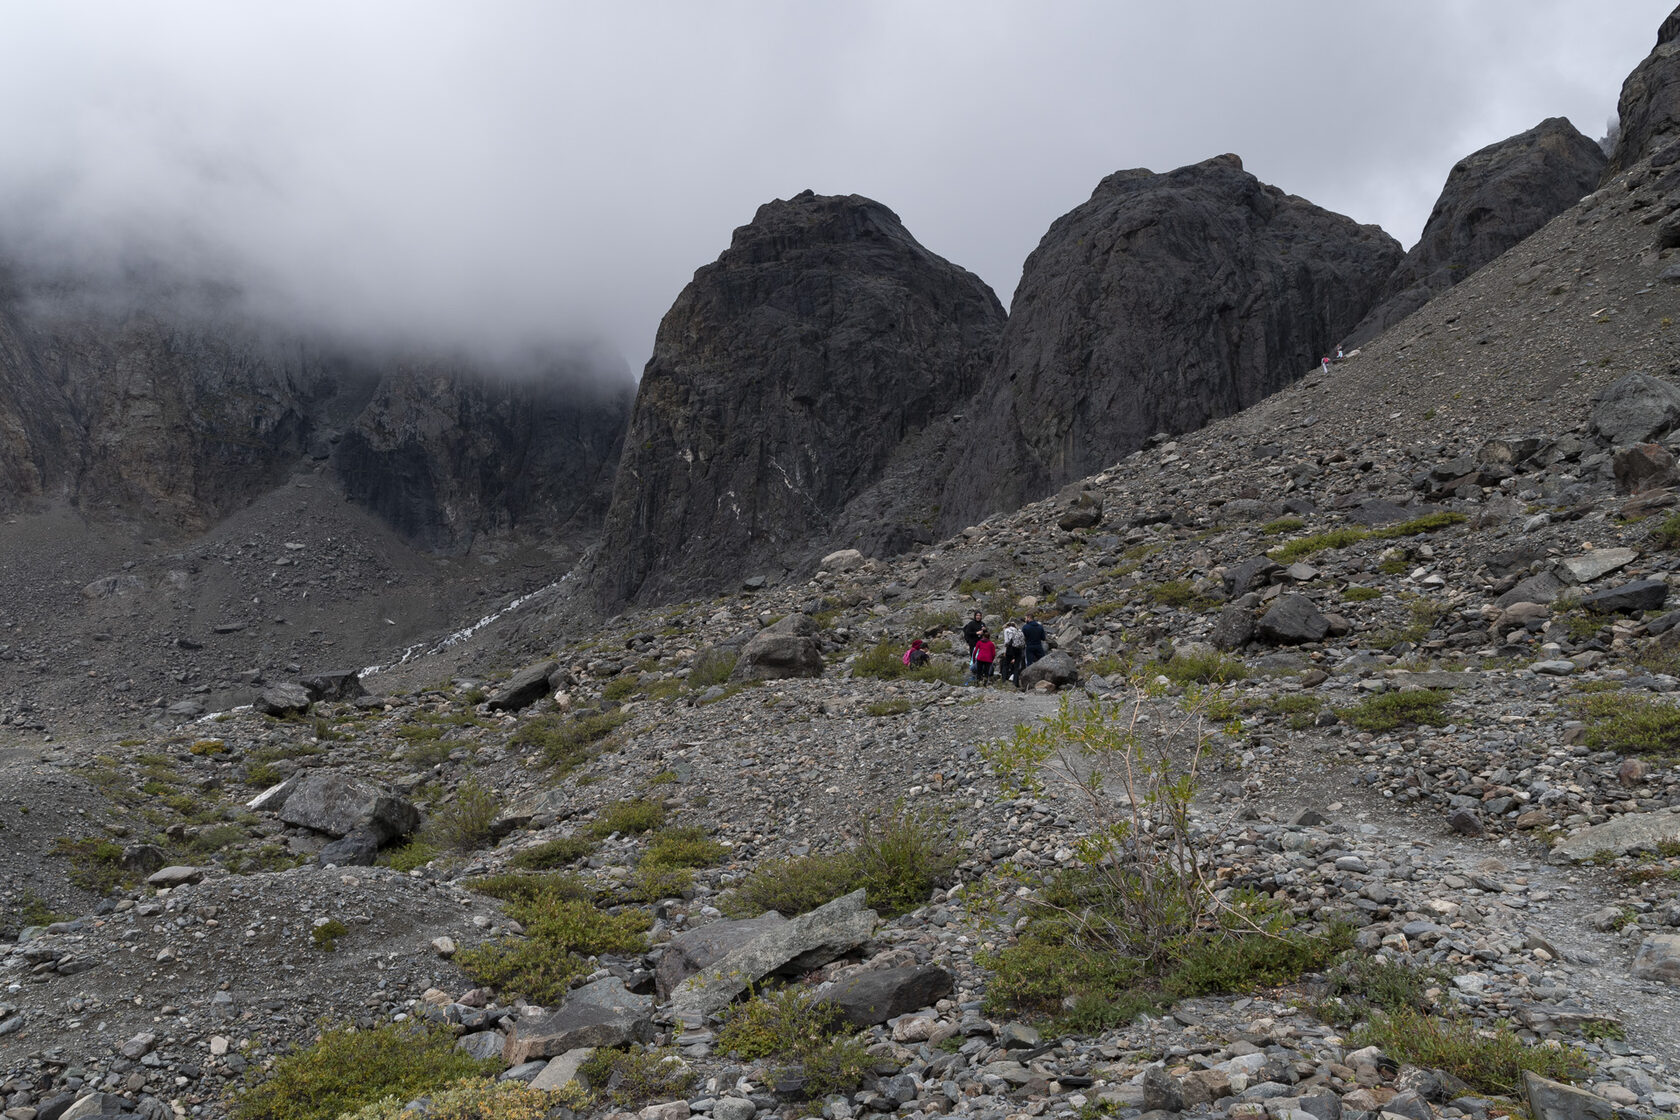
[(783, 380), (1493, 199), (1163, 302)]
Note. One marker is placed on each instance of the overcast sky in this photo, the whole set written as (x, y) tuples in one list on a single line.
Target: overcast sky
[(504, 174)]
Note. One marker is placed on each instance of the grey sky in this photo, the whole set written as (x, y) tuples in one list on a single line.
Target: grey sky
[(498, 174)]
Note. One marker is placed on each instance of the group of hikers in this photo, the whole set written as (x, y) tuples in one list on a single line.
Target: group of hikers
[(1021, 645)]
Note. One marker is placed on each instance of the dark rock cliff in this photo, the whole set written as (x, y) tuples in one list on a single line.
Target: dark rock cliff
[(782, 381), (1163, 302), (1493, 199), (1649, 108), (186, 418)]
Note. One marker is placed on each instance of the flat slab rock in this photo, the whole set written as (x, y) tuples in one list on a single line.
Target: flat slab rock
[(695, 949), (337, 804), (604, 1013), (811, 939), (874, 996), (1659, 958), (1630, 832)]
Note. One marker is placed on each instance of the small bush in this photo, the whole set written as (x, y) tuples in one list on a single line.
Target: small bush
[(1629, 723), (477, 1099), (628, 1078), (682, 847), (632, 818), (566, 743), (1428, 523), (1282, 525), (1389, 710), (417, 853), (464, 823), (651, 882), (885, 662), (898, 862), (711, 668), (344, 1069), (977, 586), (32, 910), (1359, 985), (1208, 668), (554, 853), (326, 935), (1179, 593), (1360, 594), (1490, 1061), (1666, 533), (95, 864), (561, 930), (792, 1026), (1394, 566), (1302, 547), (895, 707), (620, 687)]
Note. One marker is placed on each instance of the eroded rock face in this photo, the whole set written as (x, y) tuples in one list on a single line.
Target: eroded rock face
[(782, 380), (1163, 302), (1649, 107), (188, 417), (1493, 199)]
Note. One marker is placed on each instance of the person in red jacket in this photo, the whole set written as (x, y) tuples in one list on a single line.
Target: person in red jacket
[(985, 652)]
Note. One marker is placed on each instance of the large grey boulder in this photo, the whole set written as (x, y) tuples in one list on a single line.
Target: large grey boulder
[(1493, 198), (805, 942), (1640, 595), (874, 996), (786, 648), (333, 684), (783, 381), (524, 688), (604, 1013), (283, 700), (1056, 667), (1637, 407), (1620, 835), (1553, 1100), (1291, 621), (692, 950), (338, 804), (1658, 958)]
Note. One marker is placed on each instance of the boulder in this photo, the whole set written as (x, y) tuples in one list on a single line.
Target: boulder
[(1642, 467), (563, 1070), (1055, 668), (873, 996), (783, 380), (692, 950), (603, 1013), (1232, 629), (787, 648), (334, 684), (524, 688), (283, 700), (1291, 621), (1640, 595), (1637, 407), (1493, 198), (1084, 512), (1596, 563), (1254, 572), (357, 849), (1658, 958), (1620, 835), (337, 804), (1108, 340), (806, 942), (175, 876), (1540, 588), (845, 560), (1553, 1100)]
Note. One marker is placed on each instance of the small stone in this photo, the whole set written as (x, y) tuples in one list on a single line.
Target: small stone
[(444, 946)]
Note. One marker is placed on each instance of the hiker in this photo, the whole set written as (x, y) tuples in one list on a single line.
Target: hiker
[(1014, 653), (917, 655), (1327, 363), (1033, 632), (971, 632), (985, 652)]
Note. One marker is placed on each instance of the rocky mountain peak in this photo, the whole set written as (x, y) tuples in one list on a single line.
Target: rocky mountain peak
[(1649, 107)]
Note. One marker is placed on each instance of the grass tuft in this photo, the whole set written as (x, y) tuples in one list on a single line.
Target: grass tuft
[(1389, 710)]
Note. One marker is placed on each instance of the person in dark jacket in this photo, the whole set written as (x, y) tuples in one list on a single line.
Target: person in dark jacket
[(1033, 631), (971, 632)]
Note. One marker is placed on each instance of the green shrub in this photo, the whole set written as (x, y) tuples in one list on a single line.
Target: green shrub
[(1361, 594), (554, 853), (1394, 566), (652, 882), (1666, 533), (1489, 1061), (885, 662), (561, 930), (464, 822), (977, 586), (1179, 593), (632, 818), (32, 910), (345, 1069), (1428, 523), (792, 1026), (1389, 710), (1359, 985), (566, 743), (326, 935), (898, 862), (95, 864), (1282, 525), (1302, 547), (1204, 668), (1105, 608), (897, 706), (1629, 723), (416, 853), (688, 846), (627, 1078), (478, 1099), (711, 668), (620, 687)]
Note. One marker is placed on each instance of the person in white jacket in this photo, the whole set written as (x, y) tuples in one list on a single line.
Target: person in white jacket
[(1014, 652)]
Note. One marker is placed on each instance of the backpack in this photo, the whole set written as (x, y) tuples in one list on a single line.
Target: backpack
[(907, 654)]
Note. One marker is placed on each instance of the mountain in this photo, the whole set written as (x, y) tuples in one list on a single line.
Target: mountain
[(1648, 112), (783, 380), (1493, 199), (1162, 302)]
